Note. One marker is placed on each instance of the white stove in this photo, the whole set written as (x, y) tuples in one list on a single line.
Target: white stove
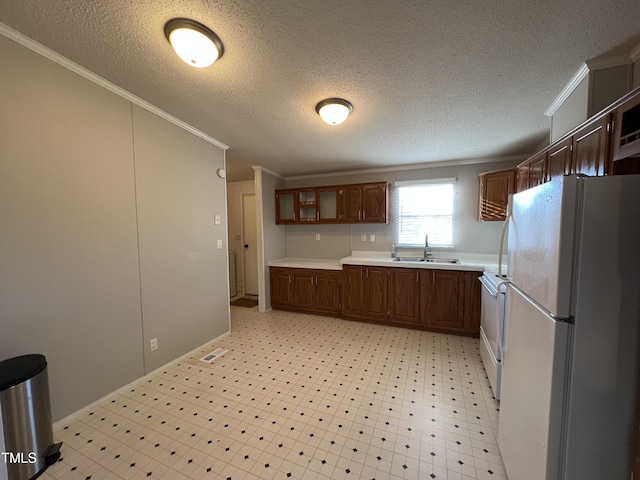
[(492, 327)]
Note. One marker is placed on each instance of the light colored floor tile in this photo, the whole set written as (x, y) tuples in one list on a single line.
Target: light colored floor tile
[(311, 397)]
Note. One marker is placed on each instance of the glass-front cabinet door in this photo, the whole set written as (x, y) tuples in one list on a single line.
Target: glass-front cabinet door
[(307, 205), (328, 204), (285, 206)]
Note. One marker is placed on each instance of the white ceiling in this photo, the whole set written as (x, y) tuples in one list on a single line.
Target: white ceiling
[(429, 81)]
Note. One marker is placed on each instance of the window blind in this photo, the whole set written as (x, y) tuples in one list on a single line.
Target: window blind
[(424, 207)]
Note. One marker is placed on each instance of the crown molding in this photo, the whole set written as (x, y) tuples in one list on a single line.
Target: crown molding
[(74, 67), (260, 168), (580, 75), (609, 62), (635, 53), (417, 166)]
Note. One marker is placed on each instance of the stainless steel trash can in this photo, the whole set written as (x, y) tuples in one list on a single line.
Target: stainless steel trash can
[(26, 430)]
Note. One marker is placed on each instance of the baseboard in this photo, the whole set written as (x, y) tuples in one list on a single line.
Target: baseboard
[(75, 414)]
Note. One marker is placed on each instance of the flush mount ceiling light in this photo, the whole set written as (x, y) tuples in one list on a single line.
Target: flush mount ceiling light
[(194, 43), (334, 111)]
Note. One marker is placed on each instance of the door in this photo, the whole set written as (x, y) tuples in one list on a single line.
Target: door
[(376, 292), (280, 282), (250, 243), (353, 291), (591, 149), (559, 163), (405, 295), (303, 289), (534, 376), (374, 203), (328, 285), (495, 188), (491, 334), (351, 204), (541, 242), (445, 298)]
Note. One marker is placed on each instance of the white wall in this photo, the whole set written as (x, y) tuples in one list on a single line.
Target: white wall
[(337, 241), (271, 237), (572, 112), (73, 193), (184, 284), (235, 190)]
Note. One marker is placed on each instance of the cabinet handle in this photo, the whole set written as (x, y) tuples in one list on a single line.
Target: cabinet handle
[(416, 277), (433, 277), (317, 215), (289, 279), (367, 273)]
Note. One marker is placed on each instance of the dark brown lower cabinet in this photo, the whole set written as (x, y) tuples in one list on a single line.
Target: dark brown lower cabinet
[(306, 290), (428, 299), (445, 301), (404, 295)]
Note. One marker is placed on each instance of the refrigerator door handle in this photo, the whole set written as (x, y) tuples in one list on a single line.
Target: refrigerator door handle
[(503, 233)]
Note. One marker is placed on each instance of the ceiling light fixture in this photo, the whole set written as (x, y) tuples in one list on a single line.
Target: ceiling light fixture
[(194, 43), (334, 111)]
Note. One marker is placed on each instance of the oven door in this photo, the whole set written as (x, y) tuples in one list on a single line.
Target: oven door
[(490, 333)]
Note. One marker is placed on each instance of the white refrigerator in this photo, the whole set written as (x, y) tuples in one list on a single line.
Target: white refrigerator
[(570, 359)]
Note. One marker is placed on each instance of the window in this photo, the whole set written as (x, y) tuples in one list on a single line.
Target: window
[(424, 207)]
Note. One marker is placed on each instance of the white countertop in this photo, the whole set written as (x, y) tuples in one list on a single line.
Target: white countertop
[(468, 262), (306, 263)]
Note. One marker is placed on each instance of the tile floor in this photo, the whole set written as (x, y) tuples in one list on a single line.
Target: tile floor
[(297, 397)]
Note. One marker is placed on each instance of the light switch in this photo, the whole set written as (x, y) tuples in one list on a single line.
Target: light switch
[(216, 219), (219, 244), (317, 236)]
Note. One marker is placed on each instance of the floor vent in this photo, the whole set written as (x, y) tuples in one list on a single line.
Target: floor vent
[(210, 357)]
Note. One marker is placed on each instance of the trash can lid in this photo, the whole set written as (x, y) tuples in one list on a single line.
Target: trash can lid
[(20, 369)]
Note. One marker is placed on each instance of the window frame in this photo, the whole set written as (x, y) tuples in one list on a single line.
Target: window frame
[(450, 215)]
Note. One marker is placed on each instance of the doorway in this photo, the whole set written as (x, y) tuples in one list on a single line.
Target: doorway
[(250, 244)]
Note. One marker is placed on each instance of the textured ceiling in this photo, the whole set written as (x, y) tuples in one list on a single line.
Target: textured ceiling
[(429, 81)]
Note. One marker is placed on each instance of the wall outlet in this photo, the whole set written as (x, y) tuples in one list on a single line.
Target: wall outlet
[(153, 344), (216, 219), (219, 244), (317, 236), (372, 237), (363, 237)]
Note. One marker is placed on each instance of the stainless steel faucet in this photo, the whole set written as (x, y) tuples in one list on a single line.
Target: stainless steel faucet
[(427, 250)]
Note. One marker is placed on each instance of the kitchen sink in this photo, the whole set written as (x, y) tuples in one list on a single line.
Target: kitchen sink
[(429, 260), (442, 260)]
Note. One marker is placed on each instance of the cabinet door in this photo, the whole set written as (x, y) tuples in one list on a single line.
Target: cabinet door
[(375, 203), (307, 205), (376, 293), (353, 291), (280, 284), (328, 204), (591, 149), (538, 169), (328, 285), (522, 177), (285, 206), (351, 204), (405, 295), (302, 289), (472, 295), (559, 160), (445, 299), (495, 188)]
